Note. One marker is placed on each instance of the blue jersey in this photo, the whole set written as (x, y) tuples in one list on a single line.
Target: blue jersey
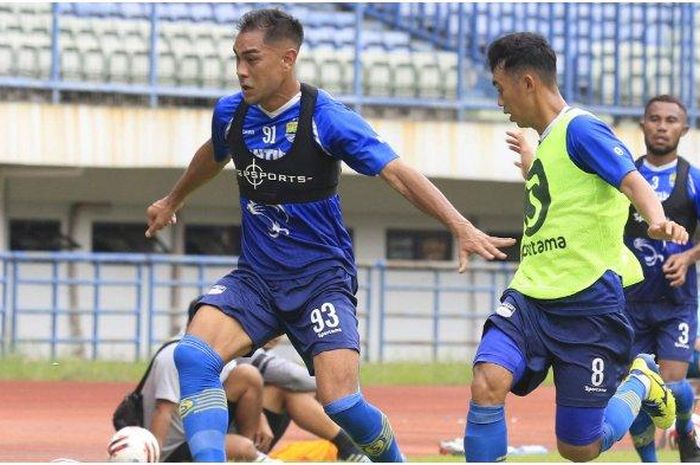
[(594, 148), (299, 239), (652, 254)]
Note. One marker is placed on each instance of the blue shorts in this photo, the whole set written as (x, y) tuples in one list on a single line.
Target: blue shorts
[(318, 312), (589, 353), (665, 329)]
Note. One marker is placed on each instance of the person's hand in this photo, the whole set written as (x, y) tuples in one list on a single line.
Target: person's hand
[(263, 436), (668, 231), (472, 240), (517, 143), (160, 214), (675, 269)]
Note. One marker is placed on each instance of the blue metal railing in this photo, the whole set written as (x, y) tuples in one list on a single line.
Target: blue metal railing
[(497, 276), (612, 56), (125, 300)]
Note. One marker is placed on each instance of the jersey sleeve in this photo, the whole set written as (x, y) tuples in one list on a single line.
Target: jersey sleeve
[(221, 119), (594, 148), (345, 135), (164, 372)]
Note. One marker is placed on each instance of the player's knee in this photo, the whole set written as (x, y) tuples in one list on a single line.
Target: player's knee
[(193, 357), (249, 376), (328, 391), (578, 453), (489, 387)]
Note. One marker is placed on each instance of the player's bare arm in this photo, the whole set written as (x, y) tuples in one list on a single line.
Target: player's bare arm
[(201, 169), (648, 205), (160, 423), (517, 143), (425, 196), (676, 266)]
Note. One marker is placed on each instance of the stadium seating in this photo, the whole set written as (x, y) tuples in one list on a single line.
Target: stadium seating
[(618, 54), (110, 42)]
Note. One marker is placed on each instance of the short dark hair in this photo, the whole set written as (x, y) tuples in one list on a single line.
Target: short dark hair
[(276, 23), (524, 50), (665, 98)]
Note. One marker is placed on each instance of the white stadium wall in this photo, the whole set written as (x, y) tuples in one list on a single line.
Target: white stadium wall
[(107, 163)]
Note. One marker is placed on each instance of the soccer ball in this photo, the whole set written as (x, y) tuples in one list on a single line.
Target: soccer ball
[(133, 444)]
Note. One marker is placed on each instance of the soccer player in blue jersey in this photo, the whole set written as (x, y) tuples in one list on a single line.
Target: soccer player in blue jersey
[(296, 273), (663, 308), (564, 307)]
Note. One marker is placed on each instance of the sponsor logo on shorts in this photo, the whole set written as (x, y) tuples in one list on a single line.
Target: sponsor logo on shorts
[(588, 388), (330, 331), (216, 289), (680, 345), (506, 310)]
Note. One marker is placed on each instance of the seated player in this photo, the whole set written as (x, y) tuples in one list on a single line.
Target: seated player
[(289, 395), (248, 429)]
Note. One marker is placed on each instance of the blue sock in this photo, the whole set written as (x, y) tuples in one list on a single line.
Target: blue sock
[(643, 434), (485, 436), (203, 405), (367, 426), (685, 397), (621, 411)]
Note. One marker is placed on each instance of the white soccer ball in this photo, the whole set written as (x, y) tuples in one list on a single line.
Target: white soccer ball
[(133, 444)]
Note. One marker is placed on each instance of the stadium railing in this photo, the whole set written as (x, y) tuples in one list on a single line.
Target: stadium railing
[(109, 305), (613, 56)]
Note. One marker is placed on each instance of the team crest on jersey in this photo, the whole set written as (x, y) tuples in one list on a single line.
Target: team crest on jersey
[(506, 310), (290, 131), (216, 289)]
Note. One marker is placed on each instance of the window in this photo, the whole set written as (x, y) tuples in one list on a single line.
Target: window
[(38, 235), (123, 237), (419, 245), (201, 239)]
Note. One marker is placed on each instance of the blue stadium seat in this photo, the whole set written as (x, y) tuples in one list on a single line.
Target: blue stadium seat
[(395, 40), (134, 10), (344, 38), (63, 8), (174, 11), (225, 13), (201, 12), (96, 9)]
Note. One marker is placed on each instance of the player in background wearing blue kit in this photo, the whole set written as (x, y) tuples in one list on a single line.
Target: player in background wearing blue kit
[(296, 273), (663, 308), (564, 307)]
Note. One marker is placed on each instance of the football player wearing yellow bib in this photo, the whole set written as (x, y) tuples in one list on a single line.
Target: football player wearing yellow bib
[(564, 307)]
